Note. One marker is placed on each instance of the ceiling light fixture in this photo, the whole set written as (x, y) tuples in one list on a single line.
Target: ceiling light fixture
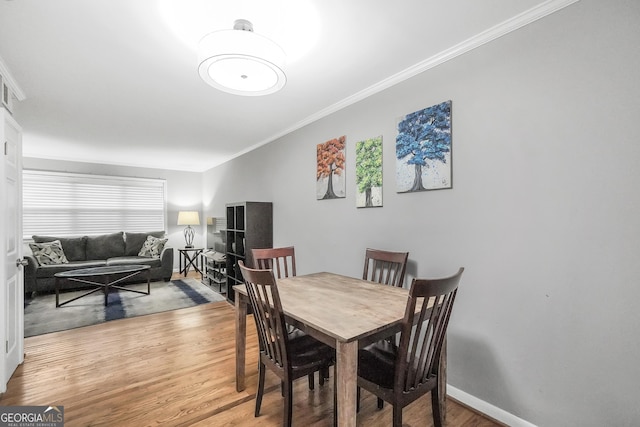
[(241, 62)]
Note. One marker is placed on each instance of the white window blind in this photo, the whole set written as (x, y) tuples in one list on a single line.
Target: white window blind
[(64, 204)]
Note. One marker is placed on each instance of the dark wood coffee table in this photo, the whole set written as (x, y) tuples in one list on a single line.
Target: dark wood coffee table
[(110, 276)]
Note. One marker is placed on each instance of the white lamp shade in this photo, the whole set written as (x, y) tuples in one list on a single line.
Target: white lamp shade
[(241, 62), (188, 218)]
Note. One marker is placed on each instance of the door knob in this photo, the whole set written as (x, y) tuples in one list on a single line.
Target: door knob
[(22, 262)]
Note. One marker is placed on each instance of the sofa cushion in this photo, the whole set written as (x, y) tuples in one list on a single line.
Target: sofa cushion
[(105, 246), (152, 247), (49, 270), (74, 247), (132, 260), (49, 253), (134, 241)]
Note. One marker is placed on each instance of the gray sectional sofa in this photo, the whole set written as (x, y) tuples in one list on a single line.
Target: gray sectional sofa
[(95, 251)]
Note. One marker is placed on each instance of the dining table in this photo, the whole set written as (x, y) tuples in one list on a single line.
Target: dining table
[(343, 312)]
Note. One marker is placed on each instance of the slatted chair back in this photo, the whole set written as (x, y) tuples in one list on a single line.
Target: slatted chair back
[(283, 263), (385, 267), (281, 260), (289, 357), (423, 333), (267, 311)]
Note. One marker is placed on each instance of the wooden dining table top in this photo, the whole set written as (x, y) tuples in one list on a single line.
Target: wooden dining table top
[(343, 308)]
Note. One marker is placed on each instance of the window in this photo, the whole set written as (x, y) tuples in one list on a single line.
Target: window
[(65, 204)]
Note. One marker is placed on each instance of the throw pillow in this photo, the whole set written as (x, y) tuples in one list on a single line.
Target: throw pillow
[(134, 241), (75, 248), (152, 247), (48, 253)]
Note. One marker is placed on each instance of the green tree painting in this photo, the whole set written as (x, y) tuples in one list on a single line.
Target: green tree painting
[(369, 172)]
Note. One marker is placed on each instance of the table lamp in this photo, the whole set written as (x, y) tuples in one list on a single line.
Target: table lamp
[(188, 218)]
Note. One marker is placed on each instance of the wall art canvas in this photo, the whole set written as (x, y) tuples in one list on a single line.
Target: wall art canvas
[(330, 172), (369, 173), (423, 149)]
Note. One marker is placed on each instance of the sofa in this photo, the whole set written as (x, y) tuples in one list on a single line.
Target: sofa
[(51, 254)]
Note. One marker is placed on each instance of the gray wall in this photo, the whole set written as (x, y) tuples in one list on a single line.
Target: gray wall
[(184, 191), (543, 213)]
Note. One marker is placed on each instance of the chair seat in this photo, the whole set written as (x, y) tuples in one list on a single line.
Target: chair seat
[(294, 333), (376, 363), (307, 352)]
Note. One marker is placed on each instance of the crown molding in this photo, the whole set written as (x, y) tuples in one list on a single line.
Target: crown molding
[(499, 30), (525, 18)]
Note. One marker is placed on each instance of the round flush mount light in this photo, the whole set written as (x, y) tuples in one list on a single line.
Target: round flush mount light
[(241, 62)]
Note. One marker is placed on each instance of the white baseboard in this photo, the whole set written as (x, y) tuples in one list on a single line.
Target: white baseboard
[(488, 409)]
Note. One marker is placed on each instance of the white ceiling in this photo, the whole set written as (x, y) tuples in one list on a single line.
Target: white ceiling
[(110, 81)]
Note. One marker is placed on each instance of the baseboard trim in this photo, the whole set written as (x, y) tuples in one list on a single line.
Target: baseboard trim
[(487, 409)]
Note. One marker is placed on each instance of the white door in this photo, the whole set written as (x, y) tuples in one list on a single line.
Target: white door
[(12, 294)]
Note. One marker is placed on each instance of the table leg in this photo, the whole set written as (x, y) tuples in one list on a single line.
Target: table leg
[(187, 262), (58, 280), (442, 381), (347, 382), (106, 290), (195, 262), (241, 339)]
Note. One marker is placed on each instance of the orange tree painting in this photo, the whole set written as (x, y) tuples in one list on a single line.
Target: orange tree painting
[(330, 182)]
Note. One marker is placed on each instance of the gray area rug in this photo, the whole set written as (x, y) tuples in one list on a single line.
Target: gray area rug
[(41, 315)]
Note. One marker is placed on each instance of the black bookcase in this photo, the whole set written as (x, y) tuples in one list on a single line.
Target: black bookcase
[(249, 225)]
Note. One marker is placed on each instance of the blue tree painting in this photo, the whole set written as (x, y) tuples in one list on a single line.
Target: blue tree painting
[(423, 149)]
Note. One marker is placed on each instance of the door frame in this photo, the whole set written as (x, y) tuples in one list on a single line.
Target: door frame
[(11, 247)]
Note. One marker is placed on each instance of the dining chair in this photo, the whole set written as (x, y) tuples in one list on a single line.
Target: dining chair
[(283, 263), (403, 373), (288, 358), (281, 260), (388, 268), (385, 267)]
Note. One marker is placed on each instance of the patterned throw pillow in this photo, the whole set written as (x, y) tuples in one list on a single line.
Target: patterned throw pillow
[(152, 247), (48, 253)]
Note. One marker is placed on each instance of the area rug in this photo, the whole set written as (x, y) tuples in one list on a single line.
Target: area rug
[(41, 315)]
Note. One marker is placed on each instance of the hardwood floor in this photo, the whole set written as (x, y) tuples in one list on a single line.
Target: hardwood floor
[(177, 369)]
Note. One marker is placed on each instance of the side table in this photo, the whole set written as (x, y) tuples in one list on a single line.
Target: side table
[(190, 257)]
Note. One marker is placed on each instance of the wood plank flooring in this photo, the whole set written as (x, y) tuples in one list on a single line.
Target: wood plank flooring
[(177, 369)]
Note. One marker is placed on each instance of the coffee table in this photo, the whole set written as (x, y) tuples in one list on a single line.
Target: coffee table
[(109, 277)]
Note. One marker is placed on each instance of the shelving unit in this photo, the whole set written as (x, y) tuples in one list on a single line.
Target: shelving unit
[(214, 273), (249, 226)]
